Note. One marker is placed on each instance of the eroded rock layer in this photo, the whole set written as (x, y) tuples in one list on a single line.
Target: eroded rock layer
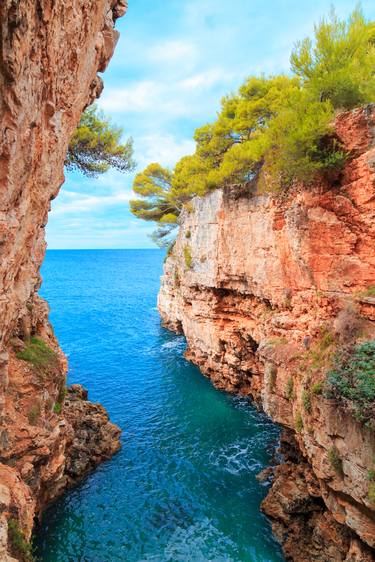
[(50, 53), (265, 289)]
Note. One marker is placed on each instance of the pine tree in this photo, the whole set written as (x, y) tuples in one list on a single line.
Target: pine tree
[(96, 146)]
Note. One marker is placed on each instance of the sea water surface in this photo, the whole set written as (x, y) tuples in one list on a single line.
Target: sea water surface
[(183, 487)]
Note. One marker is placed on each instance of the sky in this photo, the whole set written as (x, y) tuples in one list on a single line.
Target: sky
[(174, 61)]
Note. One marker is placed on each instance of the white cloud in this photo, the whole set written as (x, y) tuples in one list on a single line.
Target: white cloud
[(73, 202), (204, 80), (165, 149), (143, 97), (135, 97), (169, 98)]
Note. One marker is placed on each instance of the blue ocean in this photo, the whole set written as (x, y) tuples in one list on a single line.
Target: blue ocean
[(183, 487)]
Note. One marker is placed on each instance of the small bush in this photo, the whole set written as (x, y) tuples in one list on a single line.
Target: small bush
[(18, 544), (353, 379), (272, 377), (60, 400), (38, 354), (299, 422), (289, 389), (371, 492), (188, 257), (326, 339), (369, 292), (188, 234), (335, 460), (319, 356), (275, 342), (317, 388), (62, 394), (306, 401), (57, 408)]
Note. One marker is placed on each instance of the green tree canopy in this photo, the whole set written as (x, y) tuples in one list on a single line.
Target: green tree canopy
[(96, 146), (275, 130), (339, 65), (158, 201)]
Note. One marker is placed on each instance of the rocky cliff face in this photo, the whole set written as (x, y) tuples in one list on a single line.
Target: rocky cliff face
[(50, 53), (265, 288)]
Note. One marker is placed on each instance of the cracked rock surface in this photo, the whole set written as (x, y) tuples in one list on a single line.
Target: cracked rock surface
[(269, 276)]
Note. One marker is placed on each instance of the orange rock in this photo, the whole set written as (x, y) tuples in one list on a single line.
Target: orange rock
[(45, 83), (278, 272)]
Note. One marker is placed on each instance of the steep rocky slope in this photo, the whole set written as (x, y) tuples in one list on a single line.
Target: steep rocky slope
[(49, 57), (265, 288)]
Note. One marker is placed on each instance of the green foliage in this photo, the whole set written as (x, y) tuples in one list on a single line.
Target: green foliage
[(274, 130), (60, 400), (299, 422), (306, 401), (298, 143), (96, 146), (370, 292), (188, 234), (371, 486), (57, 408), (353, 378), (188, 257), (62, 394), (326, 339), (317, 388), (289, 389), (18, 544), (275, 342), (158, 202), (339, 65), (371, 492), (38, 354), (272, 377), (319, 356), (335, 460)]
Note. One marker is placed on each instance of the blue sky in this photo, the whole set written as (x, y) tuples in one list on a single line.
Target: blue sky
[(174, 61)]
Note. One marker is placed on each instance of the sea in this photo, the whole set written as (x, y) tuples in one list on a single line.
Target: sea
[(183, 487)]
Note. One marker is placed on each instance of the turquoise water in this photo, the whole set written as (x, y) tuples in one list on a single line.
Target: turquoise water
[(183, 487)]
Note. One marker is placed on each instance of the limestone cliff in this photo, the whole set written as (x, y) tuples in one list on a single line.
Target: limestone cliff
[(50, 53), (264, 287)]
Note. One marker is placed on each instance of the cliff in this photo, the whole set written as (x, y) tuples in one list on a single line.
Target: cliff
[(49, 57), (265, 289)]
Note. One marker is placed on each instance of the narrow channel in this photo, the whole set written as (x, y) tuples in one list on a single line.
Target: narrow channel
[(183, 487)]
